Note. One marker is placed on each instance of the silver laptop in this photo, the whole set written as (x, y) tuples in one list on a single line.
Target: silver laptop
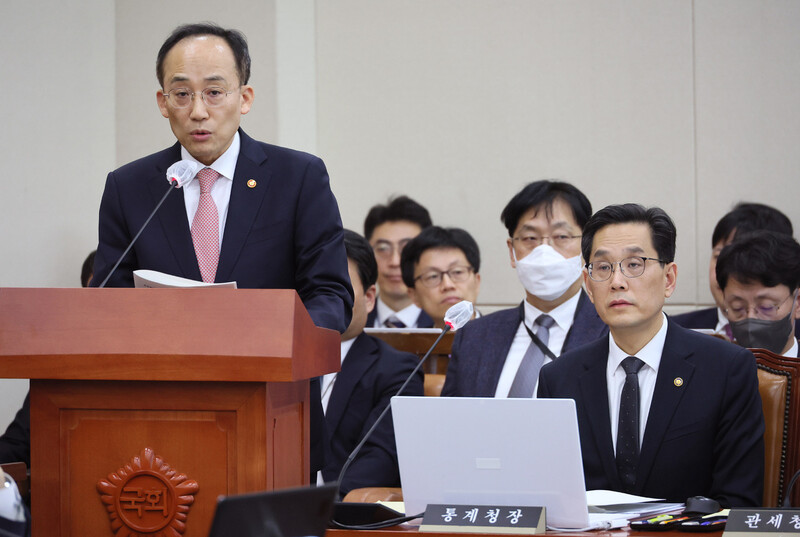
[(485, 451)]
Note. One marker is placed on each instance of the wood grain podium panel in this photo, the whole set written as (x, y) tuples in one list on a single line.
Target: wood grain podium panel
[(228, 437)]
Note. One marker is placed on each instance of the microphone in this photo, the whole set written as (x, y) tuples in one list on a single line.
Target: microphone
[(455, 318), (178, 175)]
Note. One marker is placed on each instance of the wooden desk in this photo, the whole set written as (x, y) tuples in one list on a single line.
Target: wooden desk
[(418, 343), (408, 531)]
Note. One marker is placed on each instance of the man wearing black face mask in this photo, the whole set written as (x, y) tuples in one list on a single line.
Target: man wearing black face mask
[(759, 274)]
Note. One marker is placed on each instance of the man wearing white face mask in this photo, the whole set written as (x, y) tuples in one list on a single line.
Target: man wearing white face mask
[(500, 355)]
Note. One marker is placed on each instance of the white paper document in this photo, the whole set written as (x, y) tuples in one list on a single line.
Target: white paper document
[(153, 279)]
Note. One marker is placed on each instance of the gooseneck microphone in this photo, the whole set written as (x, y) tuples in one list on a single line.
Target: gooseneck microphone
[(456, 317), (178, 175)]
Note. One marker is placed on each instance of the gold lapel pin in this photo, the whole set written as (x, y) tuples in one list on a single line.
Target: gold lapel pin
[(678, 382), (251, 183)]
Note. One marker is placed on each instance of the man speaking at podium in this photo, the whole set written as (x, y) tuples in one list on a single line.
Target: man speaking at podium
[(662, 411), (261, 215), (258, 214)]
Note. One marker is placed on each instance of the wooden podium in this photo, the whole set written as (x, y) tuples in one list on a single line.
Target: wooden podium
[(147, 404)]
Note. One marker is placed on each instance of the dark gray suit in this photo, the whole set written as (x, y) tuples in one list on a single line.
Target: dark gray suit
[(480, 348)]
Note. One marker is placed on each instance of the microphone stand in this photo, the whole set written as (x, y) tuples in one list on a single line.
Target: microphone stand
[(173, 184)]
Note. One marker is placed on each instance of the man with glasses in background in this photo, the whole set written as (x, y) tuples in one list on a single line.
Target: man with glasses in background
[(388, 228), (261, 215), (500, 354), (663, 411), (440, 268), (759, 274)]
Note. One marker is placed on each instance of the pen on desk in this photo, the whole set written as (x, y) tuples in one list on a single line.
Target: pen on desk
[(674, 520), (658, 518)]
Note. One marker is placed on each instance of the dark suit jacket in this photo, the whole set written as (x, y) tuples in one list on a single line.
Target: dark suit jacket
[(704, 436), (705, 318), (15, 444), (423, 320), (284, 233), (480, 348), (371, 374)]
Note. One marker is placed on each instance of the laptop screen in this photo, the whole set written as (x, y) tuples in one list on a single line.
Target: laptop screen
[(486, 451)]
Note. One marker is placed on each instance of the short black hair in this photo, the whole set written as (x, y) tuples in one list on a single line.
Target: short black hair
[(235, 39), (436, 237), (662, 228), (87, 270), (360, 252), (746, 217), (768, 257), (398, 209), (542, 194)]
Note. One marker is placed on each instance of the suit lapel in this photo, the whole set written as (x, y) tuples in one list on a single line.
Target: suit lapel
[(245, 203), (594, 398), (499, 339), (361, 356), (172, 217), (587, 325), (666, 398)]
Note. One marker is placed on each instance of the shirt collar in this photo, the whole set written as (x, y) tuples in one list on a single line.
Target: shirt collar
[(408, 315), (346, 347), (225, 165), (650, 354), (792, 352), (721, 321), (563, 314)]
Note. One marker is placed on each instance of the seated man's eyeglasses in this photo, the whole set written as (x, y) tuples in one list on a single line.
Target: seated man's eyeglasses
[(182, 97), (433, 278), (561, 240), (386, 249), (766, 310), (631, 267)]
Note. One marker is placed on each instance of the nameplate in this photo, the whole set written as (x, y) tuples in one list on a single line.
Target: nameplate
[(753, 522), (483, 519)]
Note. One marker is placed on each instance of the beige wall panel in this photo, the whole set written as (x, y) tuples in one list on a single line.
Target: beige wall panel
[(143, 25), (57, 117), (461, 103), (748, 112)]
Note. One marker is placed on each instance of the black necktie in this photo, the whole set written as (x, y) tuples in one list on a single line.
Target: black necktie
[(628, 427), (394, 322)]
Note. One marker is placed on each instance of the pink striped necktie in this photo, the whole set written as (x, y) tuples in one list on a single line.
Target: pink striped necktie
[(205, 227)]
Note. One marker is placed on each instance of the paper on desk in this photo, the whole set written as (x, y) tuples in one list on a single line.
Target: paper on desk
[(160, 280), (609, 501), (612, 497)]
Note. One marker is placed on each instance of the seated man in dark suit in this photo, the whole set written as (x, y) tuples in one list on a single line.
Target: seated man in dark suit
[(371, 374), (441, 267), (759, 274), (743, 218), (388, 228), (499, 355), (663, 411)]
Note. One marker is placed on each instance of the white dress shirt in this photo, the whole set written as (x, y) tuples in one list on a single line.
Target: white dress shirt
[(722, 322), (225, 165), (563, 315), (329, 379), (408, 315), (650, 354)]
